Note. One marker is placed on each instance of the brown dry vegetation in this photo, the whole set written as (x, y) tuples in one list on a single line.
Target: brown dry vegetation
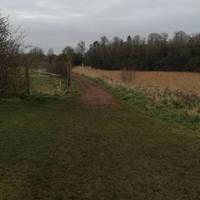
[(177, 90), (175, 81)]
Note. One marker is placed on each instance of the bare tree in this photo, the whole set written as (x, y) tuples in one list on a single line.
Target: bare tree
[(11, 79), (50, 52), (37, 52)]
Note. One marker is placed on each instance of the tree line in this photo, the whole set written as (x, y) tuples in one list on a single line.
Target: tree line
[(156, 52), (53, 62)]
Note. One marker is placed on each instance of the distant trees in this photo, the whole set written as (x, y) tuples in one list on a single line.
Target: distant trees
[(81, 47), (37, 58), (50, 52), (37, 52), (62, 65), (156, 52), (69, 51), (74, 57), (59, 64), (51, 56)]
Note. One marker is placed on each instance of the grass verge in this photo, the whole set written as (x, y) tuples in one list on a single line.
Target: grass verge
[(63, 149), (166, 112)]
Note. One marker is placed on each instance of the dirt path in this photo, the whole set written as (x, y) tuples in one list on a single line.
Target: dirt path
[(92, 94)]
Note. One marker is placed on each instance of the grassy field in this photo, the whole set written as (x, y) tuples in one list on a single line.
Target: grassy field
[(58, 149), (171, 96), (175, 81), (42, 84)]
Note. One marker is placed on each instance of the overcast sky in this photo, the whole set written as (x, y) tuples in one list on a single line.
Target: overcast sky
[(57, 23)]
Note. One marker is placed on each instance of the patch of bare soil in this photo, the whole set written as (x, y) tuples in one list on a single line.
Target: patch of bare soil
[(93, 94)]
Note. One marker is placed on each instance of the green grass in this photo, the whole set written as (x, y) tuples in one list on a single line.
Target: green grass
[(171, 112), (58, 149), (45, 85)]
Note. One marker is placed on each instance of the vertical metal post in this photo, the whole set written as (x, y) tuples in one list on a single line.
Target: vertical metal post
[(27, 75)]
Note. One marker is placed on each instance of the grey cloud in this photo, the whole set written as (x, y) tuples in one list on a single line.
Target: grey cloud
[(51, 23)]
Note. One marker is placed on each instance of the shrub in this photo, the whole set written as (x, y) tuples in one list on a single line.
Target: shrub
[(12, 81)]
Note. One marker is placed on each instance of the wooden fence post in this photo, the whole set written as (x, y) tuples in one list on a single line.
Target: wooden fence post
[(27, 76), (69, 69)]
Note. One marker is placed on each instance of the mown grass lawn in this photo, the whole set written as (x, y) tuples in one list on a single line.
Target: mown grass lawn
[(54, 149)]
